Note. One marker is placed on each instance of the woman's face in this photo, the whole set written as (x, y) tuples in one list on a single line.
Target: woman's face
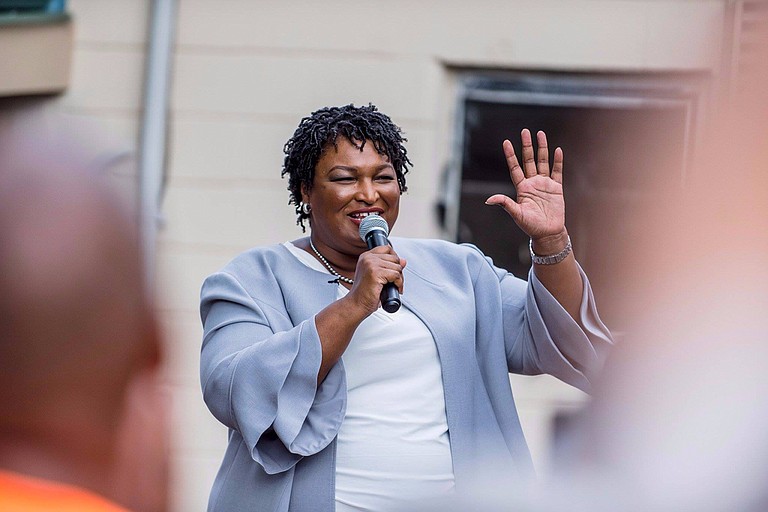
[(348, 185)]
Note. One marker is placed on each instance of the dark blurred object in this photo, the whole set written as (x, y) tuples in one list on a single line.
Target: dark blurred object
[(31, 6)]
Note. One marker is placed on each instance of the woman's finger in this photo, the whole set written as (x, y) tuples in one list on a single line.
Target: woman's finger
[(393, 276), (382, 269), (382, 254), (529, 162), (542, 161), (372, 262), (509, 205), (382, 250), (557, 166), (515, 171)]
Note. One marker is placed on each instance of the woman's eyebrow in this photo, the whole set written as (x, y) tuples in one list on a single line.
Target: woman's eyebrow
[(353, 168)]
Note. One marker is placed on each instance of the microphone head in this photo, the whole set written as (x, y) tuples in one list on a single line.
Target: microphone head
[(371, 223)]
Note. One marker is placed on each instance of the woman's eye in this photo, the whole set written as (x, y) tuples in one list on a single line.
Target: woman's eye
[(343, 178), (385, 177)]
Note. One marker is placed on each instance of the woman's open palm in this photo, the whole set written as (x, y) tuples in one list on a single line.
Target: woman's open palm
[(540, 206)]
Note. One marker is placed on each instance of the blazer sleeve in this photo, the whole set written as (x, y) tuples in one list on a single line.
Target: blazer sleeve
[(262, 381), (541, 337)]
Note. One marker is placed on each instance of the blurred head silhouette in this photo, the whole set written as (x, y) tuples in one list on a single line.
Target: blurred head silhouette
[(79, 347)]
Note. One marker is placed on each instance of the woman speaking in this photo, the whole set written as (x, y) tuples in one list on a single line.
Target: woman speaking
[(331, 402)]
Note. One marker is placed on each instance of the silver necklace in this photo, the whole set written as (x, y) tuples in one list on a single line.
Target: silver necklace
[(328, 265)]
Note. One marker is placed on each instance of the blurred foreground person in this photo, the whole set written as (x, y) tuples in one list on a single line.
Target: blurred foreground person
[(679, 420), (81, 421)]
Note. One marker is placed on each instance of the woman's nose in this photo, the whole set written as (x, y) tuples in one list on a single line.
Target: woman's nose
[(366, 192)]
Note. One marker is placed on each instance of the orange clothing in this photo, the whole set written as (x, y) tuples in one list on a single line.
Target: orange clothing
[(21, 493)]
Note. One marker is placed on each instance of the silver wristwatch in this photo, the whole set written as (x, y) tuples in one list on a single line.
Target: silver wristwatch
[(552, 258)]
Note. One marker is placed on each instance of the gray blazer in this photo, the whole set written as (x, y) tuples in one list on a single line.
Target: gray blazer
[(261, 354)]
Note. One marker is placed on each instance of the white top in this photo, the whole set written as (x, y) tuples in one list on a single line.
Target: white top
[(393, 445)]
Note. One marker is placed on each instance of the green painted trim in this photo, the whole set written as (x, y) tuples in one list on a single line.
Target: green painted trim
[(42, 18)]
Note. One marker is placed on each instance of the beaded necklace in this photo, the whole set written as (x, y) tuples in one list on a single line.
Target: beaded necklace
[(328, 265)]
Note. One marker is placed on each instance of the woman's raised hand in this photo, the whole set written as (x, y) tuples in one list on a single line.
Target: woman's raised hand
[(540, 206)]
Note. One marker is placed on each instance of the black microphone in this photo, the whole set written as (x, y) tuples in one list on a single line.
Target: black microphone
[(374, 231)]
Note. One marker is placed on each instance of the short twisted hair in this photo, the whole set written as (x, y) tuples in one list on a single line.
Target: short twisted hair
[(323, 127)]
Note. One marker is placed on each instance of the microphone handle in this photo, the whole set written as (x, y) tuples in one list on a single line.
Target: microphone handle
[(390, 297)]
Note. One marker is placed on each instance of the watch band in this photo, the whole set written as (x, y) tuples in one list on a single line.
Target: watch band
[(552, 258)]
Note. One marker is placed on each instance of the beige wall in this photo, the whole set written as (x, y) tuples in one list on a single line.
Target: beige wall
[(106, 77), (245, 72)]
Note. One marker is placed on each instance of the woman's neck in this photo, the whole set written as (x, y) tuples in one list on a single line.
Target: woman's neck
[(344, 264)]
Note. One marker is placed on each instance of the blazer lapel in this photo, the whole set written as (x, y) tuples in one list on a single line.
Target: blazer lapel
[(427, 301)]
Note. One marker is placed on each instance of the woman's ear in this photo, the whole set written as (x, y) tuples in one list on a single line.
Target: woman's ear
[(304, 194)]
